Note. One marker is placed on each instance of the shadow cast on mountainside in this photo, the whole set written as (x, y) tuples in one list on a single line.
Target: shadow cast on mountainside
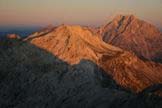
[(32, 77)]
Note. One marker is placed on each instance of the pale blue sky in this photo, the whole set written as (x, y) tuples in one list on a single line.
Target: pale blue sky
[(84, 12)]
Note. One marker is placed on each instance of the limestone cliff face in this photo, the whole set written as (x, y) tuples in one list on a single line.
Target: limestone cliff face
[(74, 43), (133, 34)]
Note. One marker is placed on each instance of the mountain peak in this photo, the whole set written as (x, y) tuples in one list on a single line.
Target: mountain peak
[(133, 34), (69, 27), (50, 26), (124, 17), (64, 40)]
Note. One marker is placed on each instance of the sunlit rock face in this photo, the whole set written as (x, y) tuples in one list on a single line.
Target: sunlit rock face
[(74, 43), (132, 34)]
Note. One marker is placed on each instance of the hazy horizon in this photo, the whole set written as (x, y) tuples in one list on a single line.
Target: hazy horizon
[(85, 12)]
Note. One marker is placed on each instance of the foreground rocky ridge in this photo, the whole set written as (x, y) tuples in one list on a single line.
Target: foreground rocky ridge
[(33, 77), (74, 43), (132, 34)]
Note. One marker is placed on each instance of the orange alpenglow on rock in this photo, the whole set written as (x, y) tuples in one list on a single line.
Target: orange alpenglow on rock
[(74, 43), (13, 36), (132, 34)]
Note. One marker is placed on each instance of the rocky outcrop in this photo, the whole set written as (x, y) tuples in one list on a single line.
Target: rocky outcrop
[(131, 72), (132, 34), (13, 36)]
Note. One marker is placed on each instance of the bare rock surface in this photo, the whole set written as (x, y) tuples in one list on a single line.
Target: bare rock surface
[(132, 34)]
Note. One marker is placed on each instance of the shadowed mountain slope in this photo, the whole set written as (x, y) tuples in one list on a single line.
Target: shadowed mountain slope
[(33, 77), (133, 34)]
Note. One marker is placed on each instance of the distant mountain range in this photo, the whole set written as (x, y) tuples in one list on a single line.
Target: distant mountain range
[(21, 31), (71, 66)]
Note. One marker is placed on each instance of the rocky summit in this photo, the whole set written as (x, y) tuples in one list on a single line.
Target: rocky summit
[(132, 34)]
